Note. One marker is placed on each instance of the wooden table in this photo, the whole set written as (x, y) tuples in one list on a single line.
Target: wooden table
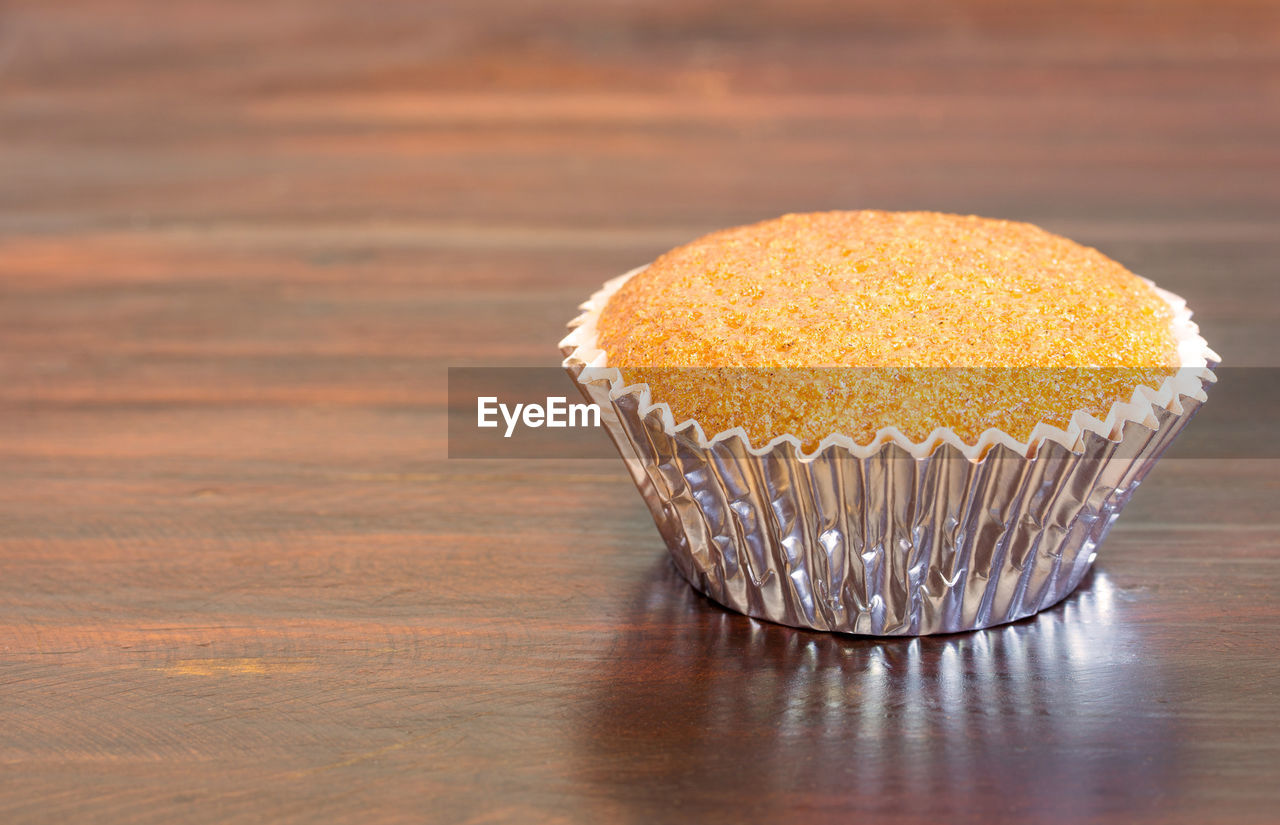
[(241, 243)]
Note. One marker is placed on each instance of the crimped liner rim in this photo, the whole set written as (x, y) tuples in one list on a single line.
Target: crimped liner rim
[(588, 364)]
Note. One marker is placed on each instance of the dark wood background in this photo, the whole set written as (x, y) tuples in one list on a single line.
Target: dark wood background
[(241, 242)]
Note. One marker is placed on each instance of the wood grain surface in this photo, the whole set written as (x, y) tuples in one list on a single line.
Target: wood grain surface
[(240, 244)]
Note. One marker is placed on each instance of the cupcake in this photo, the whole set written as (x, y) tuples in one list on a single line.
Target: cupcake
[(887, 423)]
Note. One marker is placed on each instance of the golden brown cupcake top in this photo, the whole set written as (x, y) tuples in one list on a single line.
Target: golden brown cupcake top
[(897, 290)]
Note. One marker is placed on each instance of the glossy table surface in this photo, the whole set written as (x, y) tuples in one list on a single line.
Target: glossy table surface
[(240, 244)]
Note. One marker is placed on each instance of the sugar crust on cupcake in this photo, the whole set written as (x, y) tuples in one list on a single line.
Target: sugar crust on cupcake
[(771, 327)]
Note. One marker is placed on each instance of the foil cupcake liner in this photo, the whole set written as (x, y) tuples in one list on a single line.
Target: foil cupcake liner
[(890, 538)]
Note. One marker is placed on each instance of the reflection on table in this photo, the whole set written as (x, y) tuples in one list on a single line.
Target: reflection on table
[(1036, 718)]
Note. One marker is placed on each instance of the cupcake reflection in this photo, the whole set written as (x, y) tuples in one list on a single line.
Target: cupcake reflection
[(718, 716)]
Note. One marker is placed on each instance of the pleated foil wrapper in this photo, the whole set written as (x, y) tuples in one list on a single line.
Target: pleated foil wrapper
[(884, 540)]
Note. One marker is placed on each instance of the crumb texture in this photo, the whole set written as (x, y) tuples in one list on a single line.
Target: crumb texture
[(848, 322)]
